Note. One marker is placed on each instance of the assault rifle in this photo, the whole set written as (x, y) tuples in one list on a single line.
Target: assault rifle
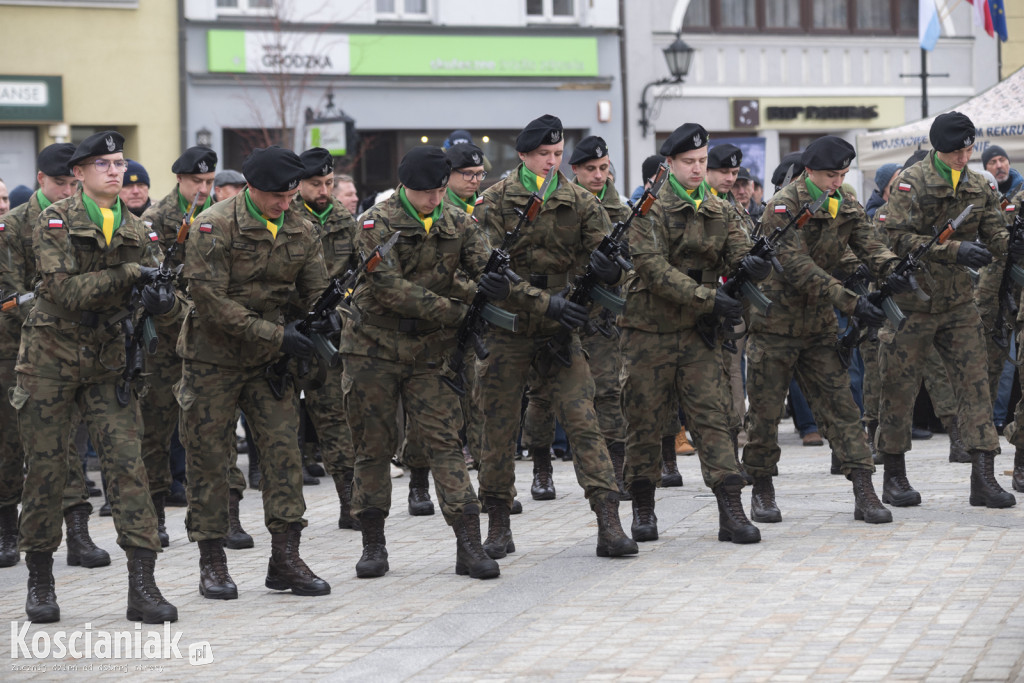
[(338, 293), (1013, 276), (587, 287), (11, 302), (481, 311)]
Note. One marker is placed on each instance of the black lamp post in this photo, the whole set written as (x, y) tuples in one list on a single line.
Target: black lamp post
[(678, 56)]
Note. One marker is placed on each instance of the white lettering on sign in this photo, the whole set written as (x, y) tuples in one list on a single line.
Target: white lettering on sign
[(24, 94)]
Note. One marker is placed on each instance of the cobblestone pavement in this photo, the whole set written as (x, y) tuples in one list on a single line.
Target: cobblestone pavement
[(938, 595)]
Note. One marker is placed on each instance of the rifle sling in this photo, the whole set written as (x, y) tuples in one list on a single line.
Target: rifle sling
[(405, 325), (89, 319), (552, 281)]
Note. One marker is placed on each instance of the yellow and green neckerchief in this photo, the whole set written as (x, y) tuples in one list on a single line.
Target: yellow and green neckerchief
[(43, 201), (108, 220), (466, 206), (183, 205), (272, 225), (695, 196), (832, 205), (532, 182), (426, 221), (322, 216), (949, 174)]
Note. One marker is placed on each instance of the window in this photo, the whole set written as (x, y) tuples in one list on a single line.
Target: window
[(830, 17), (263, 7), (415, 10), (550, 10)]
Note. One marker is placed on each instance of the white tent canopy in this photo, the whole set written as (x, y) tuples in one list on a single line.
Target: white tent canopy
[(998, 114)]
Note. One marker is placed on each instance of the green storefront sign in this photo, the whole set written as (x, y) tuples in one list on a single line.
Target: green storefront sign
[(31, 99)]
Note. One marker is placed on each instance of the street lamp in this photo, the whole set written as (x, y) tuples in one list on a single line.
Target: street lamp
[(678, 56)]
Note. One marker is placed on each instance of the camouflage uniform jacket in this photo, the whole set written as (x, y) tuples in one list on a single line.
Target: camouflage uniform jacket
[(613, 205), (240, 279), (337, 234), (679, 254), (164, 218), (812, 257), (921, 200), (17, 269), (549, 251), (71, 333), (410, 307)]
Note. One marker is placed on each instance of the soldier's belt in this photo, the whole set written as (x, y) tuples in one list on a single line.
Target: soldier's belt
[(705, 278), (541, 281), (406, 325), (89, 319)]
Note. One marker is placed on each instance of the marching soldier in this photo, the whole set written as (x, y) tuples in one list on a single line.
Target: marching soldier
[(245, 262), (91, 253)]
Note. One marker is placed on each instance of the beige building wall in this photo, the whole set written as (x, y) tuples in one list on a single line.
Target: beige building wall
[(1013, 48), (119, 69)]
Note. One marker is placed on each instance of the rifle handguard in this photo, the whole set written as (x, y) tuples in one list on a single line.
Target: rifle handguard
[(614, 303), (500, 318), (756, 298)]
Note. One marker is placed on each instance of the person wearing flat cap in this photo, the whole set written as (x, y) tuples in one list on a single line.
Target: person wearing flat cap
[(135, 190), (409, 310), (927, 195), (92, 255), (680, 250), (18, 276), (996, 162), (252, 268), (227, 183), (798, 339), (548, 254), (337, 230)]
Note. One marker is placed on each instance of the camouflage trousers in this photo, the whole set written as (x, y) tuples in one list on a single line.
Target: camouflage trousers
[(501, 380), (12, 456), (661, 369), (159, 412), (373, 388), (605, 362), (210, 397), (326, 410), (772, 361), (47, 409), (957, 337), (732, 367), (936, 383)]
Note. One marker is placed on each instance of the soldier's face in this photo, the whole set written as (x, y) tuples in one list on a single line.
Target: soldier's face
[(464, 182), (828, 181), (316, 191), (135, 195), (593, 174), (101, 185), (999, 166), (272, 204), (722, 179), (190, 183), (958, 159), (56, 188), (347, 195), (425, 201), (228, 191), (690, 167), (742, 191), (5, 199), (544, 158)]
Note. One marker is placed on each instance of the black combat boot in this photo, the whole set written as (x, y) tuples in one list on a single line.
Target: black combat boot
[(161, 520), (733, 524), (236, 539), (866, 505), (612, 541), (517, 507), (645, 522), (957, 448), (1018, 470), (374, 561), (287, 571), (543, 487), (896, 489), (499, 530), (343, 484), (762, 501), (41, 605), (81, 550), (145, 603), (470, 557), (985, 490), (9, 536), (670, 475), (255, 476), (617, 452), (872, 430), (420, 504), (214, 581)]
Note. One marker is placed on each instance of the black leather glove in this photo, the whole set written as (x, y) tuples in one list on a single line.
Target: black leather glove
[(727, 308), (495, 286), (1016, 249), (147, 274), (868, 313), (328, 326), (901, 284), (973, 255), (566, 312), (757, 268), (157, 299), (606, 269), (295, 343)]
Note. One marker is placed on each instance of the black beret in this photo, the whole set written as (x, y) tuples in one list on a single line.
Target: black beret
[(317, 162), (951, 131), (725, 156), (424, 168), (273, 169), (53, 160), (195, 160), (97, 144), (464, 155), (828, 153), (546, 130), (650, 166), (135, 174), (992, 151), (791, 160), (590, 147), (684, 138)]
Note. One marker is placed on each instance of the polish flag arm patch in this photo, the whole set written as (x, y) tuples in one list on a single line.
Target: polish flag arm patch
[(904, 187), (368, 225), (206, 227), (153, 237), (881, 218), (55, 223), (780, 208), (1011, 207), (479, 200)]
